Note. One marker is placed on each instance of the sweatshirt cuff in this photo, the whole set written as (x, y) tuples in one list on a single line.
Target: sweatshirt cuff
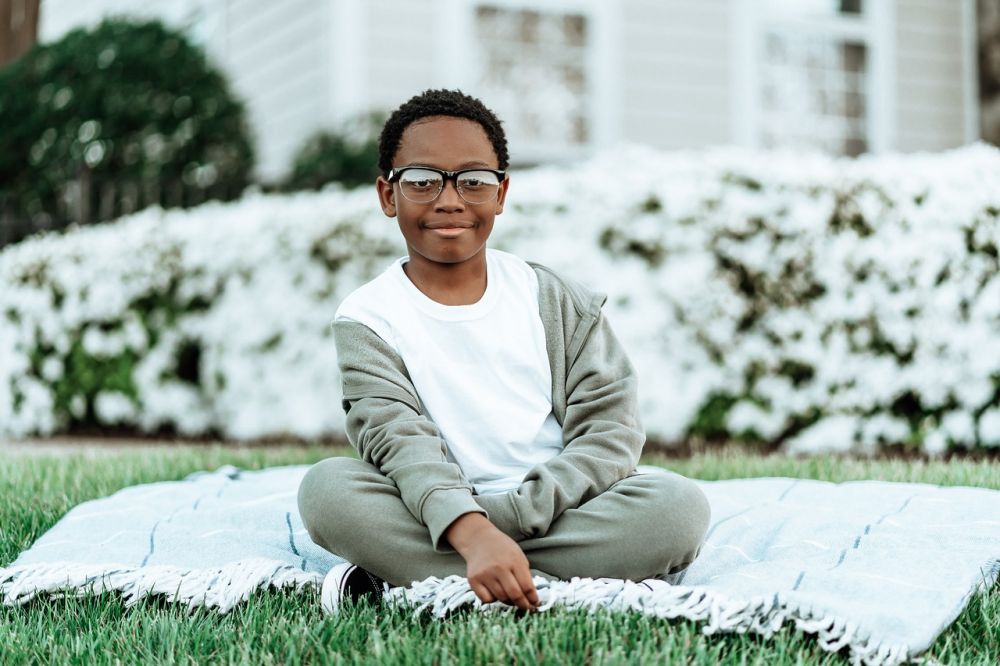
[(440, 510), (500, 511)]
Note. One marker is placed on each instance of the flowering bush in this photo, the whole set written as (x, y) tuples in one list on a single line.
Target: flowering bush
[(821, 303)]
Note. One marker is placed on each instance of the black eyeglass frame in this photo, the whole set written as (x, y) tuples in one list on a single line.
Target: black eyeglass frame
[(396, 173)]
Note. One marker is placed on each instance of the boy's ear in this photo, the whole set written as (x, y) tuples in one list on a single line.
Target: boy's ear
[(502, 194), (386, 196)]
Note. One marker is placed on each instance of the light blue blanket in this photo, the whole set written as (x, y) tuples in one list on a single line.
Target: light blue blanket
[(882, 568)]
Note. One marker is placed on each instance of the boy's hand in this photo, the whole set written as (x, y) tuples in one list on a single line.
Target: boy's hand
[(497, 567)]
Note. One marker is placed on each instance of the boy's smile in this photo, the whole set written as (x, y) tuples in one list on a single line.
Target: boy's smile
[(446, 238), (450, 231)]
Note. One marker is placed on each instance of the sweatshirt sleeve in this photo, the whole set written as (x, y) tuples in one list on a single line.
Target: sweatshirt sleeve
[(603, 441), (386, 427)]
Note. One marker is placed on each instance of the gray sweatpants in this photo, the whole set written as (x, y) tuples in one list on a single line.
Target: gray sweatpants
[(643, 526)]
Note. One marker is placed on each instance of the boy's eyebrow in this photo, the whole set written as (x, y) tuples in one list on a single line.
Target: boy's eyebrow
[(463, 165)]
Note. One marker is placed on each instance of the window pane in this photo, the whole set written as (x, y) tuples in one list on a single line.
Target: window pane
[(851, 6), (813, 8), (854, 147), (574, 26), (813, 92), (532, 73), (853, 57)]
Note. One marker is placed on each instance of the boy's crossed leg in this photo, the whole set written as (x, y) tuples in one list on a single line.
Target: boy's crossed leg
[(644, 525)]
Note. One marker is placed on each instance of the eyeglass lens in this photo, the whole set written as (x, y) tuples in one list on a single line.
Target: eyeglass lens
[(424, 185)]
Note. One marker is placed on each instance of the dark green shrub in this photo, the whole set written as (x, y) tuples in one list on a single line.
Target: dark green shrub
[(348, 156), (710, 421), (108, 121)]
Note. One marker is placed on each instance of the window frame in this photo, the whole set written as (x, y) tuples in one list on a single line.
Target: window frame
[(874, 27), (600, 101)]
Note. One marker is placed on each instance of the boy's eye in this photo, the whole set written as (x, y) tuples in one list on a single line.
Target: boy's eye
[(420, 180), (477, 180)]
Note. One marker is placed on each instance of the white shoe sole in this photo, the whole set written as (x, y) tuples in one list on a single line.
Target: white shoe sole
[(333, 587)]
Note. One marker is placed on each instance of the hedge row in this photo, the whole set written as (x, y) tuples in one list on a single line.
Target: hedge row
[(798, 300)]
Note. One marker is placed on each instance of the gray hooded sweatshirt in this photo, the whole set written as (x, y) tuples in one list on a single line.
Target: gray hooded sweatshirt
[(593, 398)]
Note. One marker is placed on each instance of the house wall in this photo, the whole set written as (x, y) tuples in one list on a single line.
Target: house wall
[(930, 78), (57, 17), (302, 64), (277, 56), (678, 88), (403, 37)]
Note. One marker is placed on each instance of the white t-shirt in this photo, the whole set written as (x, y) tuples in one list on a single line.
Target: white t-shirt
[(480, 370)]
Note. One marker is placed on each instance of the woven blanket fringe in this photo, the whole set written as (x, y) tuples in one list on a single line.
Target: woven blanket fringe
[(221, 588), (225, 587), (990, 576), (441, 596)]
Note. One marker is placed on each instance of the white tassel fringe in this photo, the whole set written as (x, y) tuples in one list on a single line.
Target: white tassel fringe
[(221, 588), (762, 616), (225, 587)]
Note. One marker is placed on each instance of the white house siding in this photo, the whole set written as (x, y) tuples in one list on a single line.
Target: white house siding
[(277, 58), (676, 77), (57, 17), (403, 43), (929, 75), (678, 88)]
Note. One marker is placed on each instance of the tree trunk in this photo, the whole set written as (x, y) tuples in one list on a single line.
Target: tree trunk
[(84, 204), (18, 28), (988, 21)]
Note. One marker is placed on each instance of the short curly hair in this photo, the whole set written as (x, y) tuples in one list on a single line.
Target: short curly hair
[(439, 103)]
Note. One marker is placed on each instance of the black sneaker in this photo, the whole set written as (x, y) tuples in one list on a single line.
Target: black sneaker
[(349, 581)]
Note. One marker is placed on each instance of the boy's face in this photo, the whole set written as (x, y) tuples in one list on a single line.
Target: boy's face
[(448, 230)]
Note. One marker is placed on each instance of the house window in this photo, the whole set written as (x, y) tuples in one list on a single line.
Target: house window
[(532, 70), (816, 74)]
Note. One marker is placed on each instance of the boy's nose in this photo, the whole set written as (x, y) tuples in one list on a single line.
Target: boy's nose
[(449, 198)]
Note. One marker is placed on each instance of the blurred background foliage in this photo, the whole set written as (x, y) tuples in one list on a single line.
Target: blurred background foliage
[(108, 121), (347, 155), (130, 114)]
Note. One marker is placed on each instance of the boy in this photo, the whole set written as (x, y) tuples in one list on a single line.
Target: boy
[(494, 410)]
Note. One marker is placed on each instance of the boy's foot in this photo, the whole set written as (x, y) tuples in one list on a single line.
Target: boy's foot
[(349, 581), (654, 584)]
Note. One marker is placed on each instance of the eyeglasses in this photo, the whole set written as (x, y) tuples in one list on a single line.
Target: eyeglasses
[(424, 184)]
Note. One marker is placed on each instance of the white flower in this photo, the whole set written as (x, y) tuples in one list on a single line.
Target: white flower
[(113, 407), (989, 426), (959, 427), (52, 369), (935, 443), (745, 416), (78, 406), (884, 428), (831, 434), (99, 344)]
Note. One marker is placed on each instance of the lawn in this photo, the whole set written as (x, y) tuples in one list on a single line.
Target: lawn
[(283, 627)]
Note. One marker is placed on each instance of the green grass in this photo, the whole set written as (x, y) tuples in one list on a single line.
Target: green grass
[(283, 627)]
